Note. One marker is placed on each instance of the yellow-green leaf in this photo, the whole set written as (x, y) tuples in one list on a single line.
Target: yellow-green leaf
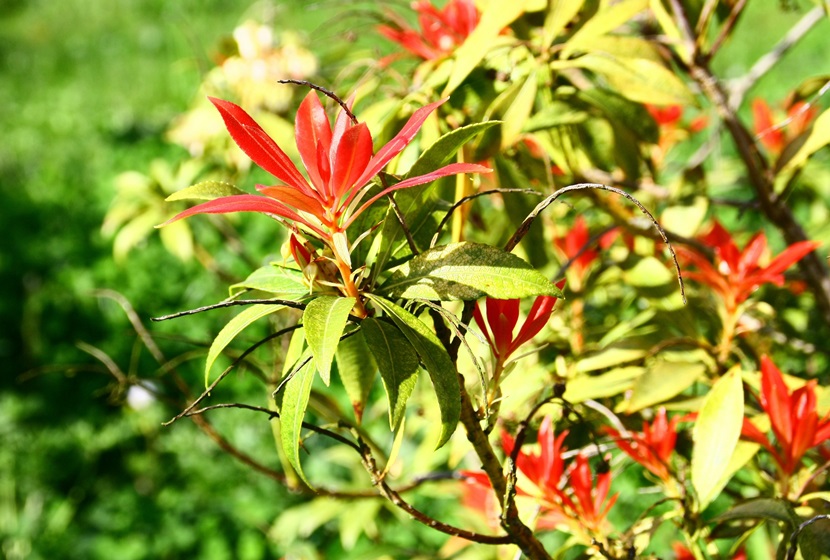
[(604, 21), (397, 361), (818, 137), (518, 112), (559, 15), (294, 403), (662, 381), (437, 362), (716, 433), (324, 319), (496, 16), (206, 190), (286, 283), (467, 271), (233, 328)]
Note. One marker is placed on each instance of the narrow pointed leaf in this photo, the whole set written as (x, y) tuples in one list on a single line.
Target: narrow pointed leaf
[(496, 16), (285, 283), (437, 362), (397, 361), (357, 369), (518, 112), (443, 150), (206, 190), (559, 15), (294, 403), (324, 319), (604, 21), (233, 328), (818, 137), (467, 271), (716, 433)]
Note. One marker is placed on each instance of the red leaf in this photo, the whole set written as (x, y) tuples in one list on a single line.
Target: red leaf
[(260, 147), (353, 154), (313, 135)]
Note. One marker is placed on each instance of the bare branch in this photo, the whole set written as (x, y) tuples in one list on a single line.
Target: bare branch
[(232, 303)]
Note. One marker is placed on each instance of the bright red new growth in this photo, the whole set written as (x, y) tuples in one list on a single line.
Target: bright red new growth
[(795, 421), (567, 495), (652, 447), (502, 317), (441, 30), (736, 274), (338, 161)]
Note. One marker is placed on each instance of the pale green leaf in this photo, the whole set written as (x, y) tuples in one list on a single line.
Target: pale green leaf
[(559, 15), (649, 272), (233, 328), (686, 220), (638, 79), (357, 370), (632, 116), (324, 319), (609, 384), (178, 239), (716, 433), (397, 361), (467, 271), (286, 283), (602, 22), (443, 150), (609, 357), (496, 16), (294, 403), (206, 190), (437, 362), (662, 381), (818, 138), (518, 112)]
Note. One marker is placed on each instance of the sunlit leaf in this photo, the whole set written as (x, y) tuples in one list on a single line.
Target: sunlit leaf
[(609, 357), (206, 190), (397, 361), (443, 150), (233, 328), (294, 403), (558, 16), (324, 319), (662, 381), (496, 16), (608, 384), (467, 271), (716, 433), (818, 137), (286, 283), (437, 362), (518, 112), (357, 370), (602, 22)]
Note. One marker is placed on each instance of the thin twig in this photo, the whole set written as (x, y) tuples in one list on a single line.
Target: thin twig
[(401, 220), (726, 28), (393, 496), (233, 303), (227, 370), (522, 230), (740, 86), (328, 93), (468, 198), (793, 547)]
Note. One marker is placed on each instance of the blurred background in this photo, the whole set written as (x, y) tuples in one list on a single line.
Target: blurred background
[(90, 92)]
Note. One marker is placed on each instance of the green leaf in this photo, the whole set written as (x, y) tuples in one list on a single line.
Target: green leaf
[(437, 362), (496, 16), (609, 357), (614, 382), (467, 271), (233, 328), (443, 150), (602, 22), (518, 112), (518, 206), (294, 403), (285, 282), (649, 272), (632, 116), (397, 361), (716, 433), (357, 370), (662, 381), (559, 15), (763, 508), (206, 190), (818, 137), (324, 319), (638, 79)]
